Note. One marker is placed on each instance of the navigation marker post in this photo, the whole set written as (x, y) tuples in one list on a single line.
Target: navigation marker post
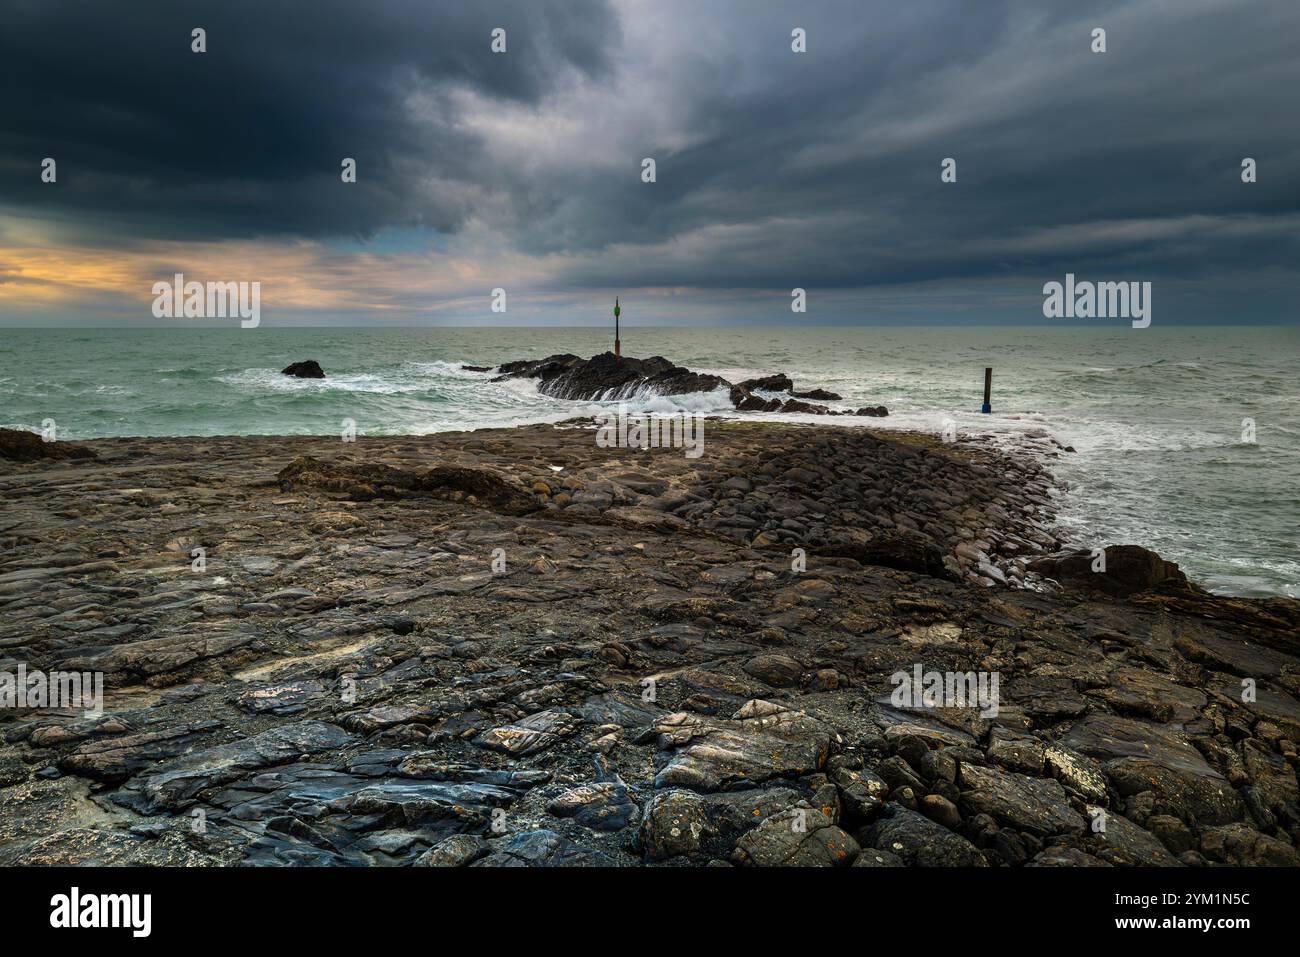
[(988, 390), (618, 346)]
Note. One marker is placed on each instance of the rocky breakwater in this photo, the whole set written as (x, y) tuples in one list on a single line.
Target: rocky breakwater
[(608, 377), (517, 648)]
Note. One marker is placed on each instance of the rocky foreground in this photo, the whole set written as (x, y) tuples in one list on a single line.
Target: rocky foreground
[(517, 648)]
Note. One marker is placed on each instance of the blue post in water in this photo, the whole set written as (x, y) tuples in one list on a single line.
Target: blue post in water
[(988, 390)]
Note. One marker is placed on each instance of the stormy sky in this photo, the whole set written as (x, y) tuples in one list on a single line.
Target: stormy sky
[(774, 169)]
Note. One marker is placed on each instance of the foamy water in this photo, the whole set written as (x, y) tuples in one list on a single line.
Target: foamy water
[(1155, 415)]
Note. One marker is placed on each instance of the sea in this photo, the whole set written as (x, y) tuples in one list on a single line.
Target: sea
[(1186, 439)]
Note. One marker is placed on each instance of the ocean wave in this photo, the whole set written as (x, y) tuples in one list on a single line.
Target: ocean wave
[(451, 370)]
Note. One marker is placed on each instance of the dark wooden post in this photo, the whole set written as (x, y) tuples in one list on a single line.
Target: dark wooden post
[(988, 390), (618, 346)]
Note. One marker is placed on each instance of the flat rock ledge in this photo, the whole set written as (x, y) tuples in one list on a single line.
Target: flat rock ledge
[(514, 648)]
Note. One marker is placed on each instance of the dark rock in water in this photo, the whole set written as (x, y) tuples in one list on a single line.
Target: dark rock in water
[(608, 376), (745, 401), (1128, 569), (795, 405), (19, 445), (532, 368), (476, 368), (309, 369), (783, 383), (878, 412), (772, 383)]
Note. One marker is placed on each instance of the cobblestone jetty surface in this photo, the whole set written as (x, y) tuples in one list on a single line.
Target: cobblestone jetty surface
[(517, 648)]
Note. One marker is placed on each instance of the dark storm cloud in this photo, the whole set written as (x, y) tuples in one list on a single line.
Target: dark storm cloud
[(1066, 159), (247, 138), (817, 169)]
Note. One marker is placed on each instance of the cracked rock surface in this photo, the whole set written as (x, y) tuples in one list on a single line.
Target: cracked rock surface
[(514, 648)]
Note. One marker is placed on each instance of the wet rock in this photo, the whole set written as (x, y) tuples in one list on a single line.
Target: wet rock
[(763, 741), (1036, 805), (601, 806), (940, 810), (18, 445), (12, 771), (607, 376), (529, 735), (891, 549), (771, 383), (800, 837), (1240, 845), (779, 671), (686, 824), (459, 850), (365, 482), (308, 369), (1129, 569), (281, 700), (1061, 856), (117, 758), (870, 857), (1079, 774), (1016, 752), (919, 842), (1124, 844), (543, 848), (175, 783), (1172, 833), (351, 683), (1141, 757)]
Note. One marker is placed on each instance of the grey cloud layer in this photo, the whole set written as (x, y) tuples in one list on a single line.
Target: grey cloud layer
[(819, 169)]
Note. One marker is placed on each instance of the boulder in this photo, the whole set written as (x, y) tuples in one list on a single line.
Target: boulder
[(1037, 806), (898, 548), (799, 837), (309, 369), (1129, 569), (762, 741), (19, 445), (681, 823), (772, 383), (920, 842)]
